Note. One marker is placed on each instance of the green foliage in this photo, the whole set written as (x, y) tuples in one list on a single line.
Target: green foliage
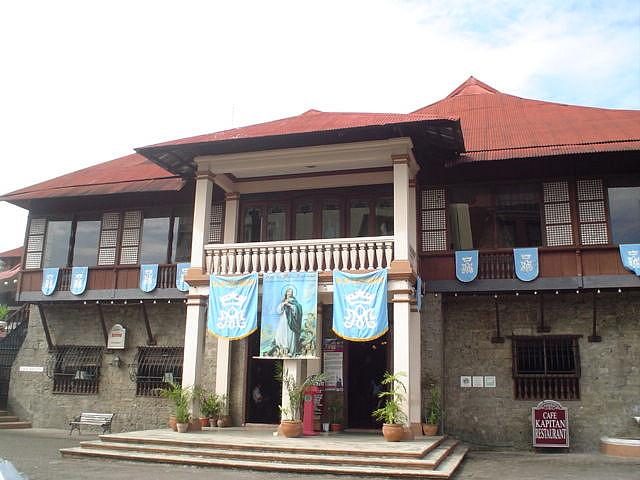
[(393, 398), (182, 413), (296, 391), (224, 405), (434, 413), (180, 398), (335, 410), (4, 311), (210, 403)]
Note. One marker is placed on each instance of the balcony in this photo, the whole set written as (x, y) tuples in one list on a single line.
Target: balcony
[(346, 254)]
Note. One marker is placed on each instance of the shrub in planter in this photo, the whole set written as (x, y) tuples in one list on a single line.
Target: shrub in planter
[(434, 412), (390, 413), (291, 423)]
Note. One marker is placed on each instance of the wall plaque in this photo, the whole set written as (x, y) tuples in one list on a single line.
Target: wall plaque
[(117, 336), (550, 422)]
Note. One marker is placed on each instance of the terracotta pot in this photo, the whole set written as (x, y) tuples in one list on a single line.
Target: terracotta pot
[(194, 425), (204, 422), (172, 423), (182, 427), (335, 427), (291, 428), (392, 432), (429, 429), (224, 421)]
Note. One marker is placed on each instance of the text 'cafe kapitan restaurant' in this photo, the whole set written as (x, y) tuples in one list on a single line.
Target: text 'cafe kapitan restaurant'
[(486, 245)]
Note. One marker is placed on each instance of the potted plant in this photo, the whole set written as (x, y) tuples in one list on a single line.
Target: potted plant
[(182, 415), (335, 414), (434, 412), (176, 394), (224, 419), (291, 423), (390, 413), (210, 409)]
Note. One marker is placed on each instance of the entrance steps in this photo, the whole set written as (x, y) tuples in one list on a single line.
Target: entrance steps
[(9, 421), (349, 454)]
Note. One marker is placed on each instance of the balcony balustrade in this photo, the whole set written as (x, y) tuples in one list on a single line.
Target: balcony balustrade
[(348, 254)]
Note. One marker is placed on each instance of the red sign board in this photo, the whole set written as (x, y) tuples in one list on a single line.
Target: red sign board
[(310, 398), (550, 422)]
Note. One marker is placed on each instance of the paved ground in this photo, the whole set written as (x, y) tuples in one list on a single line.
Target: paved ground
[(35, 452)]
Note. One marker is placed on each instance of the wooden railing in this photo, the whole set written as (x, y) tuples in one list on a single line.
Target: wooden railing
[(534, 387), (364, 253), (495, 265)]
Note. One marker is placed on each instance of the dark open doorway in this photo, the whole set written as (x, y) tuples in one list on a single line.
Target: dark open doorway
[(264, 392)]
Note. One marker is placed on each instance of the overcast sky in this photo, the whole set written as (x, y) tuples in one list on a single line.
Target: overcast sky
[(82, 82)]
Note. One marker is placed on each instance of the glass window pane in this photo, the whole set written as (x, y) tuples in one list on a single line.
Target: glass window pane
[(384, 216), (518, 216), (470, 218), (624, 209), (304, 220), (155, 238), (85, 247), (56, 250), (331, 222), (358, 218), (252, 225), (182, 234), (276, 223)]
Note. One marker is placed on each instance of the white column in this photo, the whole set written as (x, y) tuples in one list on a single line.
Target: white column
[(406, 354), (223, 353), (292, 368), (313, 366), (201, 214), (413, 233), (401, 191)]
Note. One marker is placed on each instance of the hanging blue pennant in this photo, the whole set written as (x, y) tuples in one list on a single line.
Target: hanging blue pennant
[(360, 305), (467, 265), (79, 280), (181, 270), (233, 306), (148, 277), (419, 293), (630, 254), (49, 280), (289, 315), (526, 263)]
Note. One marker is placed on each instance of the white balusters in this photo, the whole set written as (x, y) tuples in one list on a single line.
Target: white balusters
[(370, 254), (278, 259), (353, 255), (303, 258), (388, 253), (379, 253), (336, 256), (295, 252), (271, 258)]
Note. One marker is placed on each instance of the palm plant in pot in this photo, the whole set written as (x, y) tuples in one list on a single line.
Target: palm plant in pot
[(335, 413), (209, 409), (175, 393), (434, 412), (291, 423), (390, 413), (224, 419)]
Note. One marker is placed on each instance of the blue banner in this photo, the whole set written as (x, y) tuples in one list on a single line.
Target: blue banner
[(467, 265), (360, 305), (79, 277), (630, 254), (289, 315), (49, 280), (526, 263), (148, 277), (233, 306), (181, 270), (419, 293)]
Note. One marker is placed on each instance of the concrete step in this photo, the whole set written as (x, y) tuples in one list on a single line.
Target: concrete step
[(10, 425), (8, 418), (431, 461), (444, 469), (3, 412)]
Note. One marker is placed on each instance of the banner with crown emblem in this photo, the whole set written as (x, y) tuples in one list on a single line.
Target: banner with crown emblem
[(181, 270), (148, 277), (630, 254), (79, 277), (360, 305), (467, 265), (49, 280), (526, 263), (233, 306), (289, 320)]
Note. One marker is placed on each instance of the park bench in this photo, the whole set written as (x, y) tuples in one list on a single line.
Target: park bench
[(102, 420)]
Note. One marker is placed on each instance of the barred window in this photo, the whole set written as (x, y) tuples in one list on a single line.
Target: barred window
[(591, 212), (75, 369), (154, 367), (433, 223), (546, 367)]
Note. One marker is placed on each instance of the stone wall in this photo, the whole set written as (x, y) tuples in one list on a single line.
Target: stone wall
[(30, 393), (610, 370)]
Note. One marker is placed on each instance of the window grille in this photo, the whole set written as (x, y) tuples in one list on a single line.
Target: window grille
[(154, 367), (75, 369), (108, 238), (130, 237), (591, 212), (557, 213), (35, 242), (546, 367), (433, 220), (216, 222)]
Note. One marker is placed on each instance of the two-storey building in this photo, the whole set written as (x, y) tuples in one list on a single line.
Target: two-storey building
[(478, 170)]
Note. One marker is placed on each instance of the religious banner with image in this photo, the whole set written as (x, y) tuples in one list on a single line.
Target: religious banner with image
[(148, 277), (49, 280), (289, 321), (181, 270), (630, 254), (467, 265), (526, 263), (233, 306), (79, 277), (360, 305)]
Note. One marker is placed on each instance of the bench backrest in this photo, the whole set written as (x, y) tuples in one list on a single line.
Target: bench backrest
[(96, 418)]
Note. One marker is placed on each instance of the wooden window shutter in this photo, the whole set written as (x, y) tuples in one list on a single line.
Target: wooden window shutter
[(109, 229), (130, 244), (35, 242), (216, 222), (557, 213), (433, 220), (592, 212)]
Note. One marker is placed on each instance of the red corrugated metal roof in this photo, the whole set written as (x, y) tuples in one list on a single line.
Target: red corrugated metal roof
[(309, 121), (13, 253), (498, 126), (10, 274), (132, 173)]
